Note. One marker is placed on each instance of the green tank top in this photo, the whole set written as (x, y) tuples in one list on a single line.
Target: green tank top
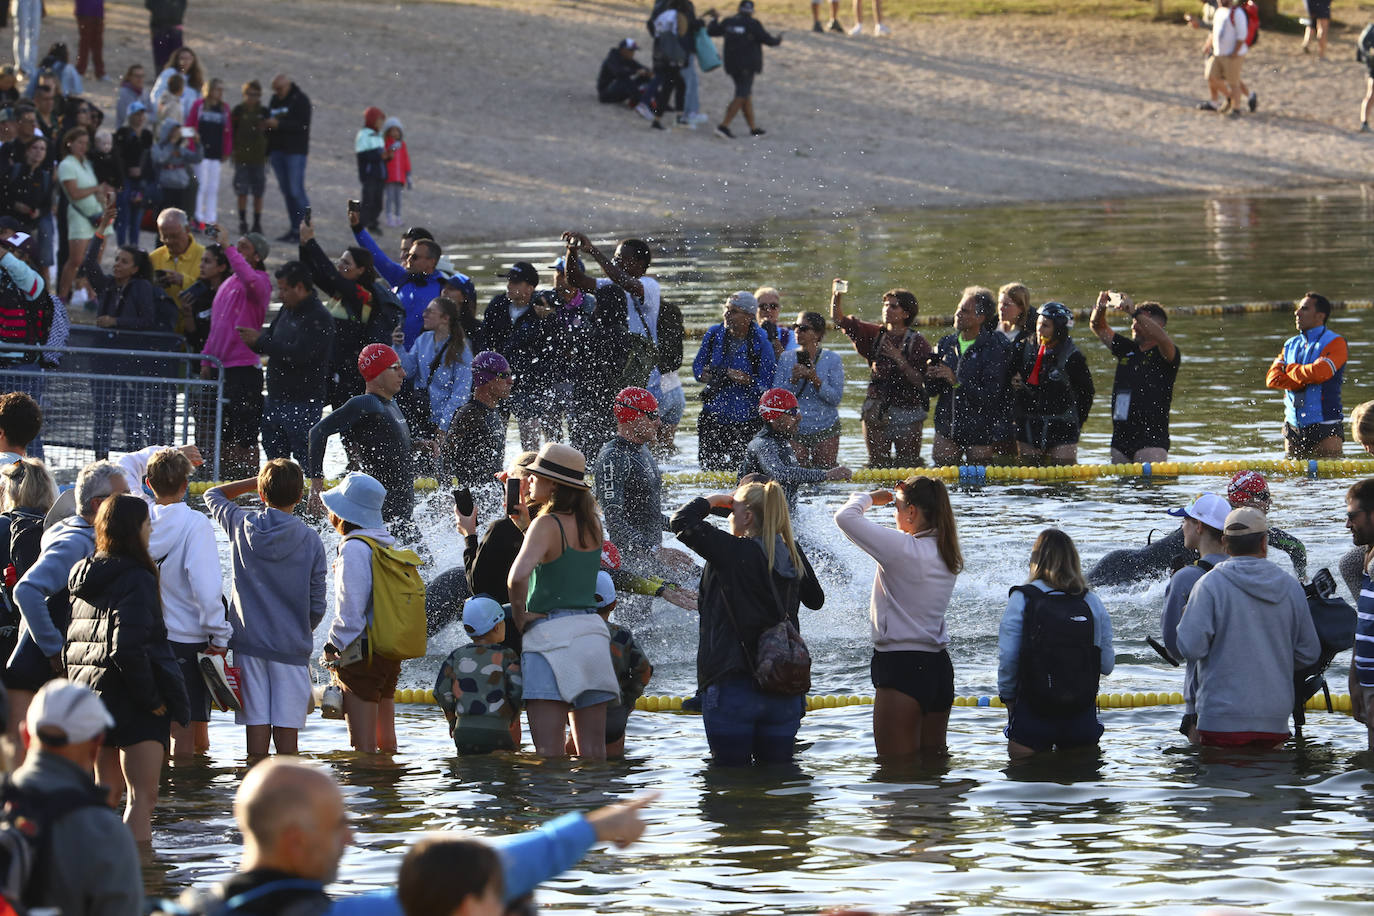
[(567, 582)]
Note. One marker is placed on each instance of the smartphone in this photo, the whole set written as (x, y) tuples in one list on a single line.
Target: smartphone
[(512, 495), (308, 220), (462, 501), (841, 286), (188, 132), (803, 358), (355, 206)]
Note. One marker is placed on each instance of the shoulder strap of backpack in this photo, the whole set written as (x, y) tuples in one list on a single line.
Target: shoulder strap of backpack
[(1203, 565)]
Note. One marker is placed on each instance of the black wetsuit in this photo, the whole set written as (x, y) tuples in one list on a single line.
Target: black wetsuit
[(381, 445), (1156, 558)]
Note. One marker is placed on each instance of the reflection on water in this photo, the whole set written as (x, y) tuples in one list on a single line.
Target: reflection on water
[(1147, 824)]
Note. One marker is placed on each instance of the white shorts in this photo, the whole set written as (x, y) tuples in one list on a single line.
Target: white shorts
[(274, 693)]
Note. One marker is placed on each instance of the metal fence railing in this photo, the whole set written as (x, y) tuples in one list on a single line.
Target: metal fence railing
[(123, 394)]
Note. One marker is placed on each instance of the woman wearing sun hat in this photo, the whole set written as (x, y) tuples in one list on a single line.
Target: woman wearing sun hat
[(368, 679), (567, 656)]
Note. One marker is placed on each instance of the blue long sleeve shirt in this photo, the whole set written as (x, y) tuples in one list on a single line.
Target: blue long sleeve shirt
[(414, 290), (1009, 638), (69, 541), (528, 859), (735, 403), (449, 386), (820, 407)]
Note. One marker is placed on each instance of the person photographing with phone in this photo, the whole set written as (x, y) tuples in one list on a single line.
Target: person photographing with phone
[(1143, 389), (174, 157), (815, 376)]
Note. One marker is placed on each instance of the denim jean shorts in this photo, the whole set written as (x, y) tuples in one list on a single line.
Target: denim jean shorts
[(538, 676)]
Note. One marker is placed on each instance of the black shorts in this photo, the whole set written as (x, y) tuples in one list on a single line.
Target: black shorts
[(1319, 9), (1045, 434), (1130, 439), (132, 728), (189, 665), (744, 84), (1303, 440), (28, 669), (616, 717), (926, 677), (243, 405), (1043, 733), (250, 179)]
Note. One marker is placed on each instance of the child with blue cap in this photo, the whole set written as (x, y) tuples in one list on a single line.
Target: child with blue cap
[(479, 685)]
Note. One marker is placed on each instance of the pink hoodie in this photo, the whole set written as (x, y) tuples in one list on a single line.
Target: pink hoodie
[(241, 301)]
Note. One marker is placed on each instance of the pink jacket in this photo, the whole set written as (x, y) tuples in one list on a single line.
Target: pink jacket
[(241, 301)]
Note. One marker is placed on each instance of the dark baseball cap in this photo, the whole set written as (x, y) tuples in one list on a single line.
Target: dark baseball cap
[(523, 271)]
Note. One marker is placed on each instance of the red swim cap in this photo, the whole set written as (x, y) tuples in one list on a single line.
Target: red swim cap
[(1246, 488), (376, 359), (632, 403), (776, 401)]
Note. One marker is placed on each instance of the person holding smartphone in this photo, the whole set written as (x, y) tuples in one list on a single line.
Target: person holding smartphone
[(816, 377), (174, 160)]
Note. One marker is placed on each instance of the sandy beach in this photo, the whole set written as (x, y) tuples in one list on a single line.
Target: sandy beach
[(508, 140)]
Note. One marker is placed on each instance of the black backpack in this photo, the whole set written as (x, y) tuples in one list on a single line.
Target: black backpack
[(1334, 620), (25, 837), (671, 333), (1060, 663)]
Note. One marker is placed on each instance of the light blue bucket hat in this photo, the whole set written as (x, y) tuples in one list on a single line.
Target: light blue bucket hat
[(358, 499)]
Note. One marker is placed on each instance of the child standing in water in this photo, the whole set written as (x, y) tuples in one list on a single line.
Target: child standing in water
[(397, 169)]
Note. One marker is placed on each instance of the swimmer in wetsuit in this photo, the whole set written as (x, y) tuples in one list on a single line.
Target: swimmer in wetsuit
[(1247, 488), (384, 448)]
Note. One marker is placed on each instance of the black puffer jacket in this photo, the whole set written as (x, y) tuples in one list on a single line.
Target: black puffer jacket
[(739, 567), (117, 642)]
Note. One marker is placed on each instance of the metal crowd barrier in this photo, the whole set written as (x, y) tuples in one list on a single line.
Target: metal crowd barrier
[(123, 392)]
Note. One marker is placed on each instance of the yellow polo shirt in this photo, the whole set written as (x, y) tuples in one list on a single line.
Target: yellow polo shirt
[(188, 265)]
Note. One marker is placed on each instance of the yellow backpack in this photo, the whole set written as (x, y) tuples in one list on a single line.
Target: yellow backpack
[(398, 629)]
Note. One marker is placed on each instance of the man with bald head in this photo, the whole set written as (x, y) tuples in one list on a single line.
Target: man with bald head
[(294, 830), (288, 143)]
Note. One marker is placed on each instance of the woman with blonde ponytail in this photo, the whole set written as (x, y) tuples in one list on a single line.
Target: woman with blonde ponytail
[(754, 575)]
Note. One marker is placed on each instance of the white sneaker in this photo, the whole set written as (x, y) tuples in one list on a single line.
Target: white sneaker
[(684, 121), (857, 29), (881, 29), (698, 117), (643, 111)]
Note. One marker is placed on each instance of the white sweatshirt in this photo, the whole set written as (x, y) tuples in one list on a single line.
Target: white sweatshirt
[(912, 586), (353, 586), (183, 545)]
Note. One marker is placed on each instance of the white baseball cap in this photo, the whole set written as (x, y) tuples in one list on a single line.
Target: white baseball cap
[(76, 711), (1208, 508)]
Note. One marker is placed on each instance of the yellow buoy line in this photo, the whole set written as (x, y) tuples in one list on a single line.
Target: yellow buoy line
[(980, 474), (1341, 702)]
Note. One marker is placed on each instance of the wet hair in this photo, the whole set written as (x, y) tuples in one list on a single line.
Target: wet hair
[(930, 496), (96, 481), (580, 504), (281, 482), (984, 303), (168, 471), (906, 301), (768, 503), (1362, 493), (440, 872), (29, 485), (457, 337), (431, 246), (1054, 560), (639, 250), (1362, 423), (143, 265), (1018, 293), (1155, 309), (1243, 545), (21, 419), (295, 274), (1320, 303), (119, 530)]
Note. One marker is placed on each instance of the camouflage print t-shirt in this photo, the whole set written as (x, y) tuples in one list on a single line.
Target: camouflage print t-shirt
[(632, 668), (481, 686)]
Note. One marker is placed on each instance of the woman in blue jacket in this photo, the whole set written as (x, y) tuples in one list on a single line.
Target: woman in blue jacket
[(440, 361), (736, 366), (816, 377)]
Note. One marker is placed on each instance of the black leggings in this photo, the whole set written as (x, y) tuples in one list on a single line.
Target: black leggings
[(669, 78)]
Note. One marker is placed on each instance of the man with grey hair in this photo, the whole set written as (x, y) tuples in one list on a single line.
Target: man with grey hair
[(176, 262), (42, 594), (88, 864)]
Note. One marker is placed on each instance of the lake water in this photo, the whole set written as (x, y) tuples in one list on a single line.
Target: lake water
[(1149, 824)]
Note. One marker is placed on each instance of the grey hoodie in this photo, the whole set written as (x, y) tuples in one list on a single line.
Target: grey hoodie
[(1248, 628), (274, 555)]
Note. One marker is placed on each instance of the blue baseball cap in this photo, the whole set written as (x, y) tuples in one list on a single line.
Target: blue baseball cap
[(481, 614)]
